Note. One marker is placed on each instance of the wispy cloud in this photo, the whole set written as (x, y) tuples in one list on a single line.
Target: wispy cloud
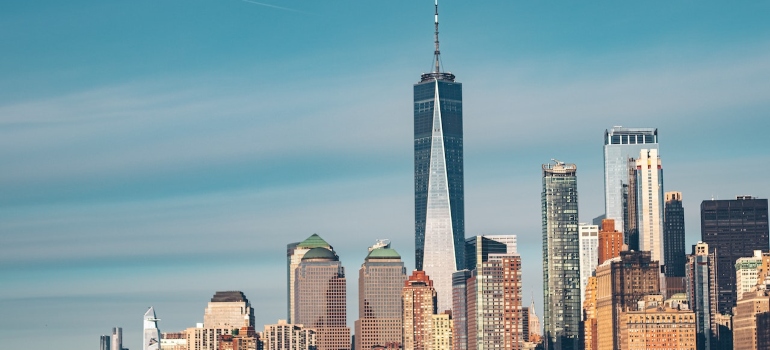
[(271, 6)]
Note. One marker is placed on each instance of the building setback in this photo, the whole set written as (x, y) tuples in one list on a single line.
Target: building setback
[(419, 300), (733, 229)]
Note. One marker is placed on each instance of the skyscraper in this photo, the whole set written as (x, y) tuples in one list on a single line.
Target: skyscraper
[(496, 301), (228, 310), (117, 338), (460, 309), (701, 293), (610, 241), (419, 300), (380, 281), (733, 229), (104, 342), (320, 298), (619, 144), (561, 256), (649, 176), (589, 255), (151, 338), (294, 253), (673, 235), (438, 176)]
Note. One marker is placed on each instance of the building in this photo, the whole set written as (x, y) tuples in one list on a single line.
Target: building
[(673, 235), (460, 309), (590, 336), (656, 325), (649, 182), (745, 325), (380, 281), (438, 177), (535, 335), (589, 254), (286, 336), (441, 332), (497, 320), (419, 300), (610, 241), (173, 341), (117, 338), (320, 298), (700, 284), (763, 330), (228, 309), (203, 338), (733, 229), (620, 283), (620, 144), (478, 248), (561, 257), (151, 337), (243, 339), (631, 208), (747, 273), (104, 342), (294, 253)]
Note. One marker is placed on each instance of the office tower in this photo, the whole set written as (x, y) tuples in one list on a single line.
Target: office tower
[(419, 300), (438, 177), (657, 325), (460, 309), (294, 253), (649, 176), (561, 256), (478, 248), (733, 229), (151, 338), (320, 298), (746, 328), (589, 255), (630, 208), (747, 271), (497, 305), (610, 241), (620, 144), (535, 336), (620, 283), (673, 235), (117, 338), (230, 310), (286, 336), (441, 332), (104, 342), (380, 281), (700, 284), (589, 316)]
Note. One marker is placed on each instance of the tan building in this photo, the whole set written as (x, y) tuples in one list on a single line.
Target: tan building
[(294, 253), (286, 336), (228, 310), (201, 338), (620, 283), (244, 339), (610, 241), (655, 325), (419, 300), (380, 282), (589, 315), (173, 341), (745, 319), (441, 332)]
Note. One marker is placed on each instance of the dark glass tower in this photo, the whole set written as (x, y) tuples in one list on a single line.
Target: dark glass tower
[(673, 235), (733, 229), (438, 177)]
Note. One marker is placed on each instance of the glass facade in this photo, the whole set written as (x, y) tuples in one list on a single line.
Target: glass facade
[(673, 235), (438, 181), (561, 256), (619, 145)]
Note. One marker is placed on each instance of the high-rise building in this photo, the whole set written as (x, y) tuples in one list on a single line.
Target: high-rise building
[(700, 284), (620, 283), (294, 253), (380, 281), (589, 255), (747, 272), (117, 338), (497, 304), (649, 177), (561, 256), (244, 339), (733, 229), (320, 298), (151, 336), (287, 336), (478, 248), (441, 332), (438, 177), (460, 309), (228, 309), (620, 144), (535, 335), (746, 327), (655, 325), (610, 241), (419, 300), (673, 235), (590, 335), (104, 342)]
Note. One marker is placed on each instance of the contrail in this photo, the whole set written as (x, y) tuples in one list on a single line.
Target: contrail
[(273, 6)]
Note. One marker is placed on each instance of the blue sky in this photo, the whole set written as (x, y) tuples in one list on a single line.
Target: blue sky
[(154, 152)]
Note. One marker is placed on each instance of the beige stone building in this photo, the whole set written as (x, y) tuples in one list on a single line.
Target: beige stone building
[(745, 319), (287, 336), (441, 332), (655, 325), (589, 315), (419, 300), (228, 310)]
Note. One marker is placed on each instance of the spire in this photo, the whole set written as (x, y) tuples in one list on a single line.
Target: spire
[(437, 52)]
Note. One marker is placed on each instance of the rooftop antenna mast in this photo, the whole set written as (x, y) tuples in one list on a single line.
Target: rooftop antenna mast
[(437, 52)]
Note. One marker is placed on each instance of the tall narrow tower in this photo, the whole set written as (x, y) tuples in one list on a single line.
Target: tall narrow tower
[(439, 218), (151, 332)]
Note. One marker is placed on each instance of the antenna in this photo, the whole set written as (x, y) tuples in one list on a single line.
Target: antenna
[(437, 52)]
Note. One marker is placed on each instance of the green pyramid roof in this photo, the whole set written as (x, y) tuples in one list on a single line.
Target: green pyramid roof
[(383, 253), (314, 241)]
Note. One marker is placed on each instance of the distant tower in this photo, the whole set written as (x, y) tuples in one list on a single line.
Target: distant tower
[(460, 309), (320, 298), (438, 176), (151, 339), (104, 342), (650, 206), (228, 310), (419, 300), (380, 281), (619, 144), (589, 255), (733, 229), (117, 338), (701, 293), (561, 256), (294, 253), (673, 235), (534, 324), (610, 241)]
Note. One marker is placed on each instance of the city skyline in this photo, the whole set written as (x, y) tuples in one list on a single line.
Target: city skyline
[(124, 124)]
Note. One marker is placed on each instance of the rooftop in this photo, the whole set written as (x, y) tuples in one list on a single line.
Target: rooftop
[(320, 253), (228, 297), (314, 241), (383, 253)]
